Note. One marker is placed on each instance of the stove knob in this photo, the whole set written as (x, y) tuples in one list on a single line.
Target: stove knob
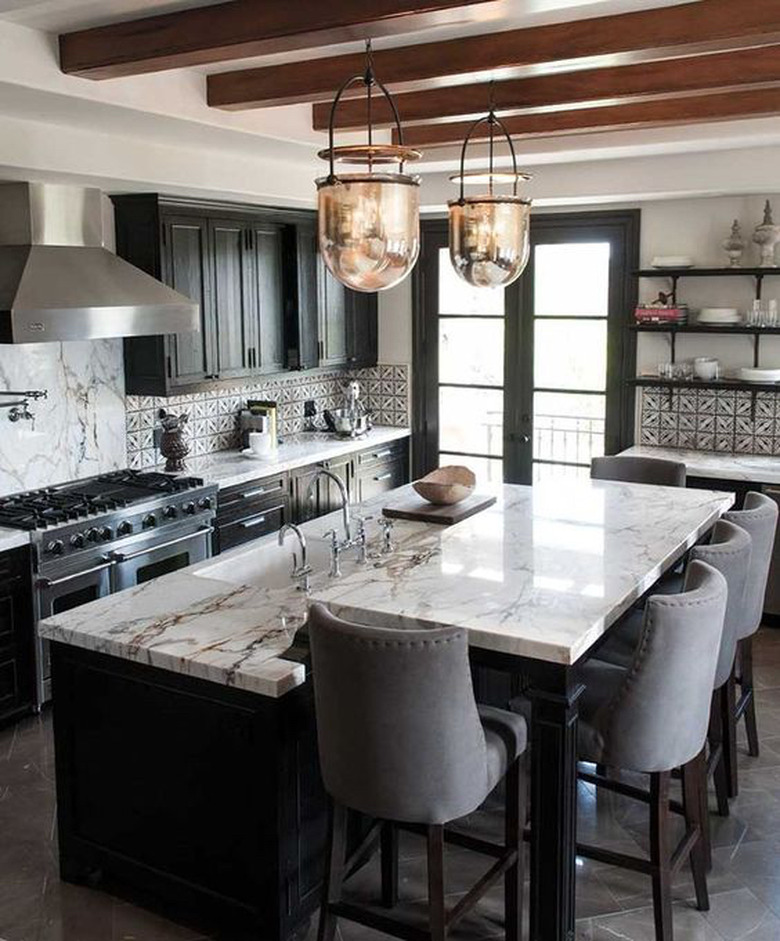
[(77, 540), (55, 547), (124, 529), (189, 508), (106, 534), (149, 521), (93, 534), (205, 503), (169, 512)]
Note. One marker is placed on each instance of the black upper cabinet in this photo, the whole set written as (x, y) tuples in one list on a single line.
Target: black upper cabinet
[(347, 324), (267, 302), (232, 311), (267, 263)]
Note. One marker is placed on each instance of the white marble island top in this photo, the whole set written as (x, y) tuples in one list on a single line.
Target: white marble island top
[(716, 465), (541, 574)]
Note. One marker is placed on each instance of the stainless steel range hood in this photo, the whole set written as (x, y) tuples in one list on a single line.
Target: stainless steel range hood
[(58, 282)]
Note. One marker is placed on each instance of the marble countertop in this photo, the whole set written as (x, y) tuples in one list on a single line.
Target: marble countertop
[(541, 574), (13, 538), (228, 468), (759, 468)]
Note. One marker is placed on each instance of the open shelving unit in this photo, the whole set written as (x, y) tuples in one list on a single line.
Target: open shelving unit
[(674, 330)]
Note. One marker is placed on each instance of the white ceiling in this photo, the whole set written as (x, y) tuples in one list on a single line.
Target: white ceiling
[(168, 109)]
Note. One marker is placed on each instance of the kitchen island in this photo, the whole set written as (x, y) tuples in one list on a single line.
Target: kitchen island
[(184, 729)]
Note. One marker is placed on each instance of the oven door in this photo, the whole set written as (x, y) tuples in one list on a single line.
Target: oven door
[(158, 554), (60, 590)]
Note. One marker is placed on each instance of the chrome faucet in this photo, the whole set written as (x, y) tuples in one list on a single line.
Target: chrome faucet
[(324, 472), (300, 572)]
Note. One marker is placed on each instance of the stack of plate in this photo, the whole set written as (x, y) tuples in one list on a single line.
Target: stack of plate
[(672, 261), (749, 374), (719, 316)]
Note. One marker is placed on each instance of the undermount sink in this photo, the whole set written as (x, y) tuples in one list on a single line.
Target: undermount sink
[(269, 565)]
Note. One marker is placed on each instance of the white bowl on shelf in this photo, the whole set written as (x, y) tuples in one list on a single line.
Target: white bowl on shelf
[(672, 261), (752, 374), (719, 315)]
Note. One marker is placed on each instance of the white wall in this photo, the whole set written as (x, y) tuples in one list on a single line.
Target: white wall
[(694, 227)]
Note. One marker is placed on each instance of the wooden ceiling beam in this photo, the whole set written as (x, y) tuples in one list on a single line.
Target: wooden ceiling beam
[(664, 77), (686, 109), (241, 28), (702, 22)]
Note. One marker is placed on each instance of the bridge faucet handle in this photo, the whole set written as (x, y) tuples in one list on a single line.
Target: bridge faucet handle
[(387, 534)]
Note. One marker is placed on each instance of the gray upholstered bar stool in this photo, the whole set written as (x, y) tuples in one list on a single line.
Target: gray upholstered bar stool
[(759, 517), (653, 718), (402, 741), (638, 470), (728, 551)]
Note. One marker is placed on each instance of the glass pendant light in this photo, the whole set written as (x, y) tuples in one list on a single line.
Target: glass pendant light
[(369, 223), (489, 234)]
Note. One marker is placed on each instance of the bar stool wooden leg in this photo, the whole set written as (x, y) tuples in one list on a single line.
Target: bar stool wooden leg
[(720, 776), (514, 826), (389, 856), (694, 781), (748, 692), (437, 914), (729, 721), (660, 854), (334, 870)]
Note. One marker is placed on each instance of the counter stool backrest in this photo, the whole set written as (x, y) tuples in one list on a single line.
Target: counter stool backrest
[(658, 720), (399, 733), (729, 552), (758, 517), (638, 470)]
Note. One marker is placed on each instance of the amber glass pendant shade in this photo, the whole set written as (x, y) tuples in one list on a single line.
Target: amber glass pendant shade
[(369, 222), (490, 234), (369, 228)]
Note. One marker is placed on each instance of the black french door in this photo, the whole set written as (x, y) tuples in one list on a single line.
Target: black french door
[(526, 383)]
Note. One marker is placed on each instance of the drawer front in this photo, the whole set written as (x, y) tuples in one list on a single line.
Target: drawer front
[(252, 526), (263, 491), (9, 686), (381, 454), (380, 478), (7, 619)]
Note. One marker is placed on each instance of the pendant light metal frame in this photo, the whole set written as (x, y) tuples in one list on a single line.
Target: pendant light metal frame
[(371, 155), (465, 261)]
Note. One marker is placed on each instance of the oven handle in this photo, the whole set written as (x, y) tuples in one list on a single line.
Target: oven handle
[(126, 557), (44, 582)]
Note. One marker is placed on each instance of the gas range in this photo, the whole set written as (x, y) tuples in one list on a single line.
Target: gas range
[(101, 535), (75, 516)]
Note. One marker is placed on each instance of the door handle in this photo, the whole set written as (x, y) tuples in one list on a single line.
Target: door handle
[(126, 557), (520, 439), (51, 582)]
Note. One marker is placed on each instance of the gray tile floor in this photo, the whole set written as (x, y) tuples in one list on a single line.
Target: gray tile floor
[(612, 905)]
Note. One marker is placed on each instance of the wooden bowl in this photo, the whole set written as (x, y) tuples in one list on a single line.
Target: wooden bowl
[(447, 485)]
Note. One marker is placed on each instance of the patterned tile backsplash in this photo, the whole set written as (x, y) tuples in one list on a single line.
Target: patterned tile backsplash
[(711, 420), (213, 423)]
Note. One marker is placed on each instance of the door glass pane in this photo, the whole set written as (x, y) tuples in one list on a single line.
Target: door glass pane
[(471, 351), (568, 427), (471, 420), (487, 470), (571, 280), (570, 355), (459, 298), (544, 471)]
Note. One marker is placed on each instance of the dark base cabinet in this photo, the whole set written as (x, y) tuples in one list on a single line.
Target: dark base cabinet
[(200, 800), (248, 511), (17, 659)]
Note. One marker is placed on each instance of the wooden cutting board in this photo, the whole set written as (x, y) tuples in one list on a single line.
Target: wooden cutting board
[(417, 509)]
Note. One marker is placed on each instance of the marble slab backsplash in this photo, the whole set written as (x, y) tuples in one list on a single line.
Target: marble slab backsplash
[(79, 430), (711, 420), (213, 424)]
